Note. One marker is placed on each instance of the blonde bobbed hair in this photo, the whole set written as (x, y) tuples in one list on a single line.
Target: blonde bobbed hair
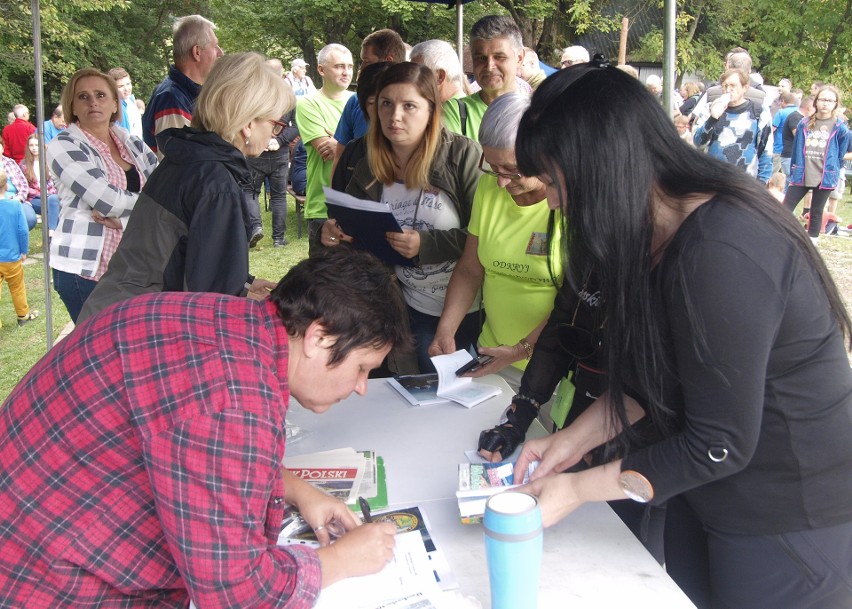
[(239, 89), (67, 99)]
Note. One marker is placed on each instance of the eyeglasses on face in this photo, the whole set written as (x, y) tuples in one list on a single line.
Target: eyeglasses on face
[(277, 127), (827, 100), (484, 167)]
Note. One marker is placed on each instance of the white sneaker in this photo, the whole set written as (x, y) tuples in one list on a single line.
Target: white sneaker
[(815, 240)]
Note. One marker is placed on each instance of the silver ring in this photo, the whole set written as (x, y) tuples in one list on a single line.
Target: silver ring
[(332, 239), (319, 528)]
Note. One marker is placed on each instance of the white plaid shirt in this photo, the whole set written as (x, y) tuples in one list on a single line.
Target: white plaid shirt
[(81, 178)]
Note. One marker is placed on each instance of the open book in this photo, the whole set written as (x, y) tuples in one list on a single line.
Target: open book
[(443, 386), (366, 222), (418, 389), (461, 389)]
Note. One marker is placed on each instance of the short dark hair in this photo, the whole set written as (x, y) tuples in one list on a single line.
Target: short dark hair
[(497, 26), (118, 73), (368, 82), (351, 293), (386, 43)]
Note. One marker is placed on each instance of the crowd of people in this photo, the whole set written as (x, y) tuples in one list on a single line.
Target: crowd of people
[(629, 270)]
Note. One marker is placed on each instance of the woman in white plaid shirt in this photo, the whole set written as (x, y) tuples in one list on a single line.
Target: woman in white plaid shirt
[(99, 169)]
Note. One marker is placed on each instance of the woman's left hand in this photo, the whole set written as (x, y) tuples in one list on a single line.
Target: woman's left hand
[(260, 289), (504, 355), (320, 510), (114, 223), (407, 243)]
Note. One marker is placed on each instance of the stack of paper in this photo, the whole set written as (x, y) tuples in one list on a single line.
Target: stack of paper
[(344, 473)]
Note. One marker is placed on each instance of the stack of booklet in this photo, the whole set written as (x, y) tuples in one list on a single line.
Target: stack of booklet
[(479, 481), (344, 473)]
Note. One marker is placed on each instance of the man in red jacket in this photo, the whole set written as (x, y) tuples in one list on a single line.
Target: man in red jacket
[(16, 134)]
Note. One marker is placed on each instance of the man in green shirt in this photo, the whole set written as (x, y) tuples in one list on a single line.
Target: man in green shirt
[(317, 116), (498, 51)]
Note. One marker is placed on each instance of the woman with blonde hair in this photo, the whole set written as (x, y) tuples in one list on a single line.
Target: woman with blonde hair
[(99, 170), (690, 92), (190, 232), (428, 176), (820, 146)]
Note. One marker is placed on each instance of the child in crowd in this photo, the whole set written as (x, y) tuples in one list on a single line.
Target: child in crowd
[(775, 186), (14, 244)]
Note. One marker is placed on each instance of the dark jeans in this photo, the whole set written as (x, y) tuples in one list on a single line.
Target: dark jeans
[(423, 329), (52, 210), (272, 169), (809, 569), (73, 290), (314, 235), (818, 200)]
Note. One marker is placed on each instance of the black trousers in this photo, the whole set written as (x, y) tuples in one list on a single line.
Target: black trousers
[(809, 569)]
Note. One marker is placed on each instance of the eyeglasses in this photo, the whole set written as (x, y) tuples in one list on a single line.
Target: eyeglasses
[(484, 167), (277, 127), (571, 62), (830, 101)]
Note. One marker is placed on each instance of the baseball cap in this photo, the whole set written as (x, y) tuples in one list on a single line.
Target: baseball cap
[(299, 63)]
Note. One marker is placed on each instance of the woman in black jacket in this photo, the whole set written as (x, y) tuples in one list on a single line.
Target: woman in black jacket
[(188, 231)]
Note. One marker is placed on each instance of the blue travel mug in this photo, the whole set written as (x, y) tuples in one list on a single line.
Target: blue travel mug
[(513, 547)]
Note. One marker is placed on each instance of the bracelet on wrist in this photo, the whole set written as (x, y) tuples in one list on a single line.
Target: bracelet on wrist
[(527, 347), (519, 397)]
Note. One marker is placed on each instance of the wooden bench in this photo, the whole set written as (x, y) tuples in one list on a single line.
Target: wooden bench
[(300, 208)]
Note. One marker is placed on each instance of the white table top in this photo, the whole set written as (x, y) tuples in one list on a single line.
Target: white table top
[(590, 558)]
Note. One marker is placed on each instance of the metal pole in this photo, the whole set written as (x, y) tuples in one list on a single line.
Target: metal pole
[(460, 31), (42, 169), (669, 55)]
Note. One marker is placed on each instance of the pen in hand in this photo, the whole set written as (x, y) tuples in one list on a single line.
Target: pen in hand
[(365, 509)]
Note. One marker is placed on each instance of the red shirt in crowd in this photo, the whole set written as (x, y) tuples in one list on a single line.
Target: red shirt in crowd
[(140, 463), (15, 138)]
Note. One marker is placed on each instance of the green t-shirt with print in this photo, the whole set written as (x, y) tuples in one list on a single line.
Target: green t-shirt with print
[(518, 291)]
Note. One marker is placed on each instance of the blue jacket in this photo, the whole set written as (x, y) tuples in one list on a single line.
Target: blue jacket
[(14, 234), (170, 106), (838, 146)]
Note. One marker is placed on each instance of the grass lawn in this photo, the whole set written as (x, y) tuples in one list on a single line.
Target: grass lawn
[(20, 348)]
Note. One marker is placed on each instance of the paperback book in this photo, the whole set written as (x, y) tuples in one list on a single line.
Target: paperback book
[(479, 481), (366, 222), (444, 385)]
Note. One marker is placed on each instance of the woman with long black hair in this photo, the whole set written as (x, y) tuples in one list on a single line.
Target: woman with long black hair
[(723, 322)]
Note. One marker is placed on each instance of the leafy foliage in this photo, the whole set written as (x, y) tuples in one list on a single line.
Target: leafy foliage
[(803, 40)]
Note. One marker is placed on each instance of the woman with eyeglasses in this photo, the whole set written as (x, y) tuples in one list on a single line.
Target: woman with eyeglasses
[(428, 176), (189, 232), (507, 253), (724, 335), (820, 146)]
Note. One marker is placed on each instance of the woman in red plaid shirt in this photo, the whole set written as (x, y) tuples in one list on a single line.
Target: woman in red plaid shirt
[(140, 460)]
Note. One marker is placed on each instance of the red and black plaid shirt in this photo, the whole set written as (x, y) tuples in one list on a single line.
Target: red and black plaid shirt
[(140, 463)]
